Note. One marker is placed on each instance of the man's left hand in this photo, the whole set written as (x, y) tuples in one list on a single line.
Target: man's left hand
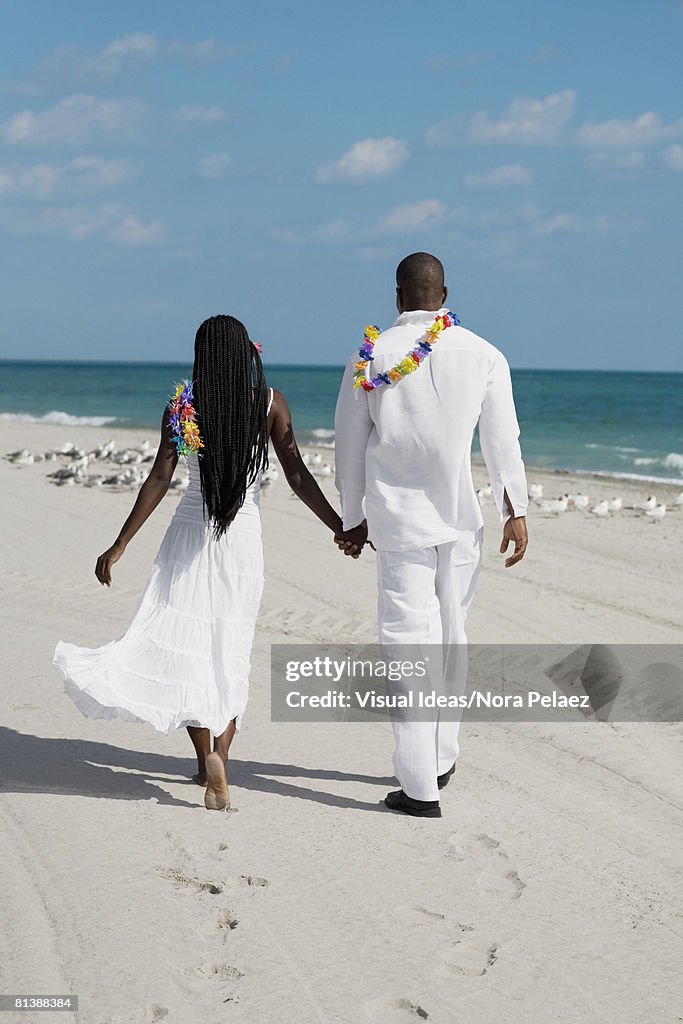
[(351, 542)]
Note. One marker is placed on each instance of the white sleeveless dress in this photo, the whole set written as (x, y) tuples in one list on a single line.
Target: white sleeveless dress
[(185, 658)]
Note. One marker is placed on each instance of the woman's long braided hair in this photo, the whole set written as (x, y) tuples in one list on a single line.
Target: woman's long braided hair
[(231, 401)]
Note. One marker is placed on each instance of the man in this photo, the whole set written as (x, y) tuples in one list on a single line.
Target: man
[(404, 428)]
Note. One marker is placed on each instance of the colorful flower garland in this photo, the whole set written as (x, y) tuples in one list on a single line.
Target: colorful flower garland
[(408, 364), (183, 420)]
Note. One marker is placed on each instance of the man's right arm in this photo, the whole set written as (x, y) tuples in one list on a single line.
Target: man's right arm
[(352, 428)]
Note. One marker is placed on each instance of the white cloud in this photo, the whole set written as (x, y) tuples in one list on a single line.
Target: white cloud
[(135, 49), (412, 217), (43, 180), (106, 222), (574, 223), (505, 176), (72, 121), (7, 181), (526, 121), (201, 115), (131, 231), (631, 160), (206, 50), (673, 157), (99, 171), (367, 160), (78, 222), (521, 237), (373, 254), (646, 130), (214, 166)]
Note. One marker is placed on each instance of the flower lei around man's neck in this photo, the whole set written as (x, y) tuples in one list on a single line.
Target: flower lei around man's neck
[(408, 364), (183, 420)]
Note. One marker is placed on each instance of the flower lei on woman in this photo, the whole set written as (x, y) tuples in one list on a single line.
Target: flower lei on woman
[(183, 420), (408, 364)]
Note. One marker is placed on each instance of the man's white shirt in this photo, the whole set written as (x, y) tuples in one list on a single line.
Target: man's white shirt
[(405, 448)]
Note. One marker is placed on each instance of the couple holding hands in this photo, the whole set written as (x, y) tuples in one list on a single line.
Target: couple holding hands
[(408, 406)]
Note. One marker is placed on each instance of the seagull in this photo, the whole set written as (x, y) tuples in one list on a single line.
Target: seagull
[(678, 501), (106, 450), (24, 460), (536, 492), (601, 509), (306, 458), (648, 505), (324, 471), (317, 459), (21, 454), (94, 481), (579, 500), (65, 473), (615, 505), (556, 505), (658, 512)]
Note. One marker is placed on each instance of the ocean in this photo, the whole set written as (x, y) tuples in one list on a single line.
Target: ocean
[(625, 424)]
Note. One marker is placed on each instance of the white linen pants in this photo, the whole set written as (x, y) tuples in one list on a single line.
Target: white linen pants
[(424, 596)]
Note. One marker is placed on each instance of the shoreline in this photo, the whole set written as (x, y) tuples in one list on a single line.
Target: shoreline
[(42, 436)]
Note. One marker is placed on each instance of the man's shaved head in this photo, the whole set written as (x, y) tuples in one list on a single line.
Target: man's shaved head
[(420, 282)]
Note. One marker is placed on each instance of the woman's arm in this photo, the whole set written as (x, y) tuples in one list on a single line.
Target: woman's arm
[(149, 496), (298, 477)]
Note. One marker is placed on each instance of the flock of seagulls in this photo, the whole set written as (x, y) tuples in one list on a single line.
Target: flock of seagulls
[(128, 468), (603, 509), (121, 469)]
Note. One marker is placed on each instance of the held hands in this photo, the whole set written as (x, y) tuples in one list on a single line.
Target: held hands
[(351, 542), (514, 530), (105, 562)]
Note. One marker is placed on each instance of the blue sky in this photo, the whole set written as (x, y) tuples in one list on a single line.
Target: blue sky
[(161, 162)]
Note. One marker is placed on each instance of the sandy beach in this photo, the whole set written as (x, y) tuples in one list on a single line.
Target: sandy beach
[(549, 891)]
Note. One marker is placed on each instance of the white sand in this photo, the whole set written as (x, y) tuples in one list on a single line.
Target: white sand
[(549, 891)]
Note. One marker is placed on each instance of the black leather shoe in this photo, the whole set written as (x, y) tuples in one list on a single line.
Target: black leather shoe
[(442, 780), (398, 801)]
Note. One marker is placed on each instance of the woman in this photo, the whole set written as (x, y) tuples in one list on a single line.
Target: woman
[(184, 660)]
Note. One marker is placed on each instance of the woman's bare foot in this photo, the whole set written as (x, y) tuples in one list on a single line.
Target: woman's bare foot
[(217, 796), (200, 778)]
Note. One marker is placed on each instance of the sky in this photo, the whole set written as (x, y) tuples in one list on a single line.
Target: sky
[(161, 162)]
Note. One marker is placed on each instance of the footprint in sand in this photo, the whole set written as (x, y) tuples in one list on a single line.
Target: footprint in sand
[(416, 915), (219, 972), (150, 1014), (388, 1010), (254, 881), (227, 920), (497, 876), (224, 976), (189, 881), (470, 956)]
